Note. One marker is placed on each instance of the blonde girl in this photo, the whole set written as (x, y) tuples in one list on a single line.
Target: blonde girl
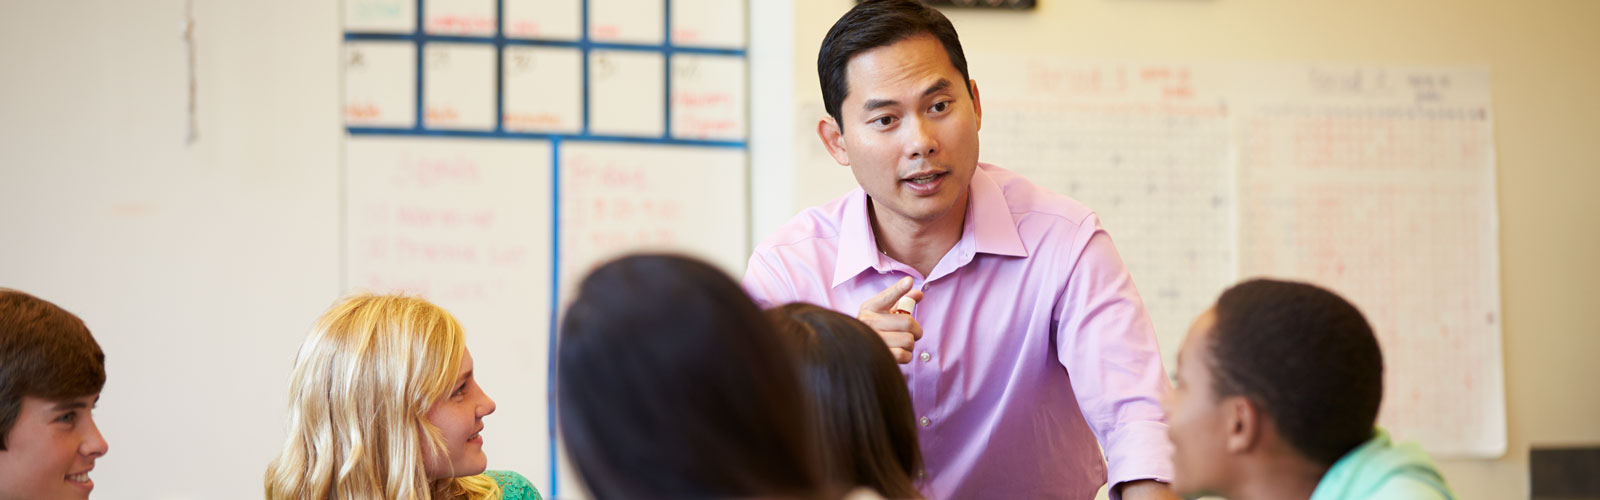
[(383, 405)]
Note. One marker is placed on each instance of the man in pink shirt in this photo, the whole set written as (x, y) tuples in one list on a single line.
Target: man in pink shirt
[(1030, 341)]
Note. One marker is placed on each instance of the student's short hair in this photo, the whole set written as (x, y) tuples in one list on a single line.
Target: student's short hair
[(45, 352), (1306, 356), (670, 384), (879, 23), (865, 425)]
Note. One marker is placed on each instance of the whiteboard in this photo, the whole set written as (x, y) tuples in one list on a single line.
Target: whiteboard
[(1376, 182), (490, 163)]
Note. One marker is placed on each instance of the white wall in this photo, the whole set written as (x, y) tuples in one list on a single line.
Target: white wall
[(198, 268)]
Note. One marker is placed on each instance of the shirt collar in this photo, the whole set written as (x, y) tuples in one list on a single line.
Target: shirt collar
[(989, 228)]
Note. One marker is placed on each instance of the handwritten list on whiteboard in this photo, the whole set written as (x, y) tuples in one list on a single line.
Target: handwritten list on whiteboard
[(1376, 182), (616, 198)]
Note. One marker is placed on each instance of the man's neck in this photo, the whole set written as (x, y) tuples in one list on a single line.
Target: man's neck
[(918, 244), (1280, 478)]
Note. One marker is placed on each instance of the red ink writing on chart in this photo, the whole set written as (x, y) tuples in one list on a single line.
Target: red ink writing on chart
[(450, 23), (380, 283), (362, 111), (701, 99), (423, 217), (435, 251), (508, 256), (441, 115), (525, 27), (523, 121), (702, 126), (428, 172)]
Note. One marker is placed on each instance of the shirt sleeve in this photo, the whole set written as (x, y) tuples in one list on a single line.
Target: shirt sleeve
[(767, 283), (1107, 343)]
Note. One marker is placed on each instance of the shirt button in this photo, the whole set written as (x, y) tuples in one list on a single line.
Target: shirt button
[(922, 474), (926, 357), (926, 421)]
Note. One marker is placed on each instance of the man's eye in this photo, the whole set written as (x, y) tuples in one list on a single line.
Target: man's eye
[(885, 121), (941, 106), (68, 417)]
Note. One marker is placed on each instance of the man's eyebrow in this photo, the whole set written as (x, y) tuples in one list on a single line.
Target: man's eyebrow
[(940, 86), (872, 104)]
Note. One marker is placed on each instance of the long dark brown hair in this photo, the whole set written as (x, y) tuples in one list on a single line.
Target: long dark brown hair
[(865, 425)]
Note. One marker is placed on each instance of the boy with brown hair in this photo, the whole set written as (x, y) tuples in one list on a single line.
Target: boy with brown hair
[(51, 373)]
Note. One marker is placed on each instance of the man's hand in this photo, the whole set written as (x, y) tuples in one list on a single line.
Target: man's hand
[(1146, 489), (899, 331)]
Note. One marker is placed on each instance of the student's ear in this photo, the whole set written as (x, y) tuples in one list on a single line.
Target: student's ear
[(1244, 424), (977, 104), (833, 139)]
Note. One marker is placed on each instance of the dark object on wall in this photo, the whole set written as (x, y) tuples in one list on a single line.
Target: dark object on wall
[(1564, 473)]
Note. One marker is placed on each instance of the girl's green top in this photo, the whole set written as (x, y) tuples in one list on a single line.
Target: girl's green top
[(513, 486)]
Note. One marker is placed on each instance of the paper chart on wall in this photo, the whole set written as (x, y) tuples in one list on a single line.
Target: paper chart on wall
[(1377, 182)]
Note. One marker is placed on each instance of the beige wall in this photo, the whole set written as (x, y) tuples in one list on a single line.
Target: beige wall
[(1543, 55)]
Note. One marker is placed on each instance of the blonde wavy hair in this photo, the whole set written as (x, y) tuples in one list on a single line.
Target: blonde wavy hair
[(362, 386)]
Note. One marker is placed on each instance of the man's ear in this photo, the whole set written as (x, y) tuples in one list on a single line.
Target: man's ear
[(833, 139), (977, 104), (1244, 424)]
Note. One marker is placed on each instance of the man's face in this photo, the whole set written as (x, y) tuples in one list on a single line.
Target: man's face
[(910, 131), (1195, 417), (50, 450)]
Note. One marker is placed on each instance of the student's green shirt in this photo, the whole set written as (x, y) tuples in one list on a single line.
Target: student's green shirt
[(1382, 470), (513, 486)]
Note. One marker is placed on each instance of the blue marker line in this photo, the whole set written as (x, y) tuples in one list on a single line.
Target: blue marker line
[(666, 69), (418, 38), (490, 134), (555, 303), (580, 44)]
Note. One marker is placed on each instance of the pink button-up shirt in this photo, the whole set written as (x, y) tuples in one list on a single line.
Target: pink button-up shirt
[(1035, 342)]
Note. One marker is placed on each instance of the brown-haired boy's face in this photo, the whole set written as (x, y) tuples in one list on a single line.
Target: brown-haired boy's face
[(50, 450)]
